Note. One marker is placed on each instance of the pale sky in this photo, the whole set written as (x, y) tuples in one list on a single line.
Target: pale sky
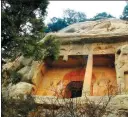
[(90, 8)]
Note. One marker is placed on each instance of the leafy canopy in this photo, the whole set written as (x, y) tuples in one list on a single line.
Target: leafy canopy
[(125, 13), (102, 15), (72, 16), (48, 47), (22, 25), (69, 17)]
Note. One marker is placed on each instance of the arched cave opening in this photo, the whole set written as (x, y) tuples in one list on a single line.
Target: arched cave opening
[(75, 88)]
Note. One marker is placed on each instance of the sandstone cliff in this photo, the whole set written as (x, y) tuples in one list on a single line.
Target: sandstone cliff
[(101, 31)]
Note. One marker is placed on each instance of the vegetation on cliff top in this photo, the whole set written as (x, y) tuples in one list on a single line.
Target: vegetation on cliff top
[(48, 48), (125, 13), (71, 16)]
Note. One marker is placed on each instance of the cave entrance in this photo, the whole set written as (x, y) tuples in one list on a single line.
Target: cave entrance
[(75, 88), (104, 79)]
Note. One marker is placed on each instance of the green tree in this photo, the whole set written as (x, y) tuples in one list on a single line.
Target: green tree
[(125, 13), (69, 17), (56, 24), (72, 16), (102, 15), (22, 25)]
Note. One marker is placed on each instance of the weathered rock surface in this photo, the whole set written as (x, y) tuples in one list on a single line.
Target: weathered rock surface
[(103, 29), (20, 61), (23, 66), (24, 72), (93, 30), (121, 64), (103, 26), (7, 66), (33, 69), (25, 61), (21, 88)]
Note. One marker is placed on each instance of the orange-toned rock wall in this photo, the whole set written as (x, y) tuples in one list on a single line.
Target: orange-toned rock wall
[(38, 75), (54, 80), (104, 75), (104, 81)]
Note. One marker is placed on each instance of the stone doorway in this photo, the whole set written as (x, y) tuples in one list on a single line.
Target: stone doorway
[(75, 88)]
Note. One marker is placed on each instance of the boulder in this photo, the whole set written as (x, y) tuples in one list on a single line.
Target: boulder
[(24, 72), (20, 89), (5, 92), (7, 66), (27, 72), (11, 66), (33, 68), (25, 61), (19, 62)]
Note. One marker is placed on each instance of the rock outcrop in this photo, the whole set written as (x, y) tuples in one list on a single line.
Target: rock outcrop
[(104, 26), (19, 89), (93, 30), (19, 61), (121, 64), (26, 68), (109, 36)]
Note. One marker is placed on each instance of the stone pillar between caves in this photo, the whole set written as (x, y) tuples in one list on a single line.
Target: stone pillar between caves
[(86, 91)]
